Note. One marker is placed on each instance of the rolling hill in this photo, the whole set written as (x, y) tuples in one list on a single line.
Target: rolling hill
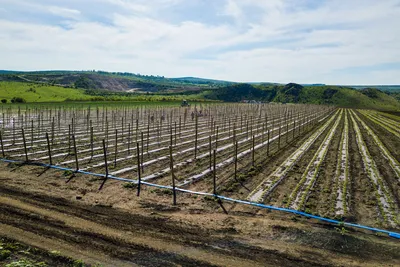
[(113, 81), (370, 98), (55, 86)]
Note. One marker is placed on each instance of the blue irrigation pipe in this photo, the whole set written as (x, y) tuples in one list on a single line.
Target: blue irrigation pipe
[(255, 204)]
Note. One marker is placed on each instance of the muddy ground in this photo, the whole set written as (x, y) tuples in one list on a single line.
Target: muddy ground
[(60, 223)]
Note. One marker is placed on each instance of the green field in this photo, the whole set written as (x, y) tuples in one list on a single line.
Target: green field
[(349, 98), (43, 93), (40, 92)]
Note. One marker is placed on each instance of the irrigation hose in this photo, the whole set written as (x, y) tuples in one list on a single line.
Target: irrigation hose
[(260, 205)]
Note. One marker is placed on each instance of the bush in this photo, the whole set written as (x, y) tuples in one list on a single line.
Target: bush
[(26, 263), (129, 185), (4, 254), (4, 101), (78, 263), (18, 100)]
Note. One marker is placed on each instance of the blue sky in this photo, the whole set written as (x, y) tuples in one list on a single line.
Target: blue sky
[(304, 41)]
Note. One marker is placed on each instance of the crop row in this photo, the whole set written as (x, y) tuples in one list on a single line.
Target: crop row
[(385, 201), (273, 180), (385, 152), (299, 195), (341, 182), (387, 124)]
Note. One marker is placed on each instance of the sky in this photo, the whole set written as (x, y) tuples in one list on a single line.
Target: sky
[(303, 41)]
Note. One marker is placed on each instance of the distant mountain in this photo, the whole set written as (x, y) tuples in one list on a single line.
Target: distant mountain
[(104, 85)]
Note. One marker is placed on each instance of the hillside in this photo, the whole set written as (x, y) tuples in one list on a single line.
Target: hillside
[(294, 93), (55, 86), (32, 92), (37, 92), (113, 81)]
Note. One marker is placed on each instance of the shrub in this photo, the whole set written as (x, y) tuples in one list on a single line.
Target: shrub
[(78, 263), (129, 185), (26, 263), (4, 101), (18, 100), (4, 254)]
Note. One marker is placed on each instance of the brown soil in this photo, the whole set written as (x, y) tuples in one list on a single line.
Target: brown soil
[(282, 192), (362, 206), (383, 165), (116, 228), (320, 198), (390, 141)]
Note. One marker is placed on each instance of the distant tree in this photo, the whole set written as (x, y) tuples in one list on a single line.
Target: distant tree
[(84, 82), (4, 101), (18, 100)]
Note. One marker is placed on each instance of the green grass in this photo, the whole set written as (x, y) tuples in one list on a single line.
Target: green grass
[(348, 98), (39, 92), (339, 96), (355, 99), (43, 93)]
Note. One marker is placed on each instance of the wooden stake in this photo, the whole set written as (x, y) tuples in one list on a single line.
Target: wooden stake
[(13, 128), (148, 139), (180, 124), (91, 143), (69, 139), (26, 151), (294, 129), (116, 148), (210, 156), (137, 129), (236, 159), (214, 174), (141, 151), (52, 131), (216, 139), (138, 168), (2, 145), (287, 131), (175, 133), (171, 164), (106, 164), (253, 151), (195, 138), (279, 138), (31, 134), (49, 148), (129, 138), (75, 152), (268, 142)]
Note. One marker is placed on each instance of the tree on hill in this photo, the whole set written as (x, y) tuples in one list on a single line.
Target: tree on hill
[(290, 93), (84, 82), (18, 100), (371, 92), (239, 92)]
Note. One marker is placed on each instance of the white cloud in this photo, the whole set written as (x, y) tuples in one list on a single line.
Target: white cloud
[(64, 12), (129, 5), (320, 41), (232, 9)]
